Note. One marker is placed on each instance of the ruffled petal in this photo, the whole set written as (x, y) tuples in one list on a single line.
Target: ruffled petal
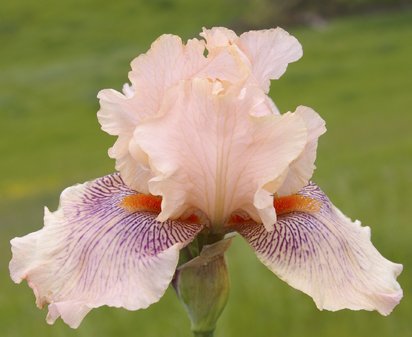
[(135, 172), (327, 256), (269, 53), (211, 152), (118, 117), (169, 61), (95, 250), (217, 37), (166, 63), (301, 169)]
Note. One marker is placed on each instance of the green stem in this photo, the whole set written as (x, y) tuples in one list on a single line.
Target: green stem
[(203, 333)]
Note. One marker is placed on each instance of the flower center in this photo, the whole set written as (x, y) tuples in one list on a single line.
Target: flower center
[(283, 205)]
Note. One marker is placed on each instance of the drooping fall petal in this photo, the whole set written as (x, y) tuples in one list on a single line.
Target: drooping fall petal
[(327, 256), (210, 152), (99, 249)]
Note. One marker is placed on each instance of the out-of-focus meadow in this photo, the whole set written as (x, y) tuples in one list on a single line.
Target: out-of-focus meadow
[(356, 72)]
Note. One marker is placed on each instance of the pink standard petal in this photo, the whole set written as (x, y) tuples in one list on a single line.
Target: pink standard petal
[(169, 61), (269, 53), (301, 169), (166, 63), (92, 252), (218, 37), (329, 257), (266, 53), (210, 151)]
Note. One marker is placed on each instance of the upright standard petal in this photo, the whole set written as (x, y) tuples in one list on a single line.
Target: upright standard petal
[(119, 117), (269, 52), (166, 63), (266, 53), (210, 151), (99, 249), (169, 61), (318, 250), (218, 37), (301, 169)]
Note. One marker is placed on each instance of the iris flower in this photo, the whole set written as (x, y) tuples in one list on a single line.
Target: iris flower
[(201, 149)]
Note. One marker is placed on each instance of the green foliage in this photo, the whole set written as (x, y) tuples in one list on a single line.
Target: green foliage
[(356, 73), (268, 13)]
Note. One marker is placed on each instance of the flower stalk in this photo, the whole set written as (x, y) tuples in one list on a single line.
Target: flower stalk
[(202, 285)]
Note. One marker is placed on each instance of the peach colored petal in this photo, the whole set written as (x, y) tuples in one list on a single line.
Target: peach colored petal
[(269, 52), (218, 37), (266, 53), (301, 169), (118, 116), (210, 152), (166, 63)]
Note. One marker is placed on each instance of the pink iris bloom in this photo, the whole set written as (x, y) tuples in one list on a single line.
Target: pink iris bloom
[(201, 148)]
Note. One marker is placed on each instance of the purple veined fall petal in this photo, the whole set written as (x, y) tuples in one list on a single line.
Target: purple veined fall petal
[(210, 152), (95, 250), (327, 256)]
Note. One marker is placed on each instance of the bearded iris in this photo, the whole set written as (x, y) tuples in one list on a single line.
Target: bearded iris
[(202, 152)]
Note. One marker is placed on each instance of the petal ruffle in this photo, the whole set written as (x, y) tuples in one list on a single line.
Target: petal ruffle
[(327, 256), (118, 117), (166, 63), (266, 53), (269, 52), (211, 152), (218, 37), (301, 169), (93, 251)]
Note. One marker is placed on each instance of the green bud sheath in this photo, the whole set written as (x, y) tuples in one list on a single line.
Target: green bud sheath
[(202, 285)]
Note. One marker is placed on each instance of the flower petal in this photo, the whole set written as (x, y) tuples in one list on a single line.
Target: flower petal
[(169, 61), (211, 152), (327, 256), (93, 251), (166, 63), (217, 37), (118, 117), (269, 52), (301, 169)]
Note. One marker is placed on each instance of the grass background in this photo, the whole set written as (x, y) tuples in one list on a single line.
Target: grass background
[(356, 72)]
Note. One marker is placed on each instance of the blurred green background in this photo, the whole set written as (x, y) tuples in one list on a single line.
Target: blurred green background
[(356, 72)]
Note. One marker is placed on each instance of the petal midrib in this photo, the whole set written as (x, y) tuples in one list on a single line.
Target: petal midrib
[(222, 155)]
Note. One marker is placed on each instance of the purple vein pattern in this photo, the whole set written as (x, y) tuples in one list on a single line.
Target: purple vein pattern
[(93, 252), (327, 256)]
